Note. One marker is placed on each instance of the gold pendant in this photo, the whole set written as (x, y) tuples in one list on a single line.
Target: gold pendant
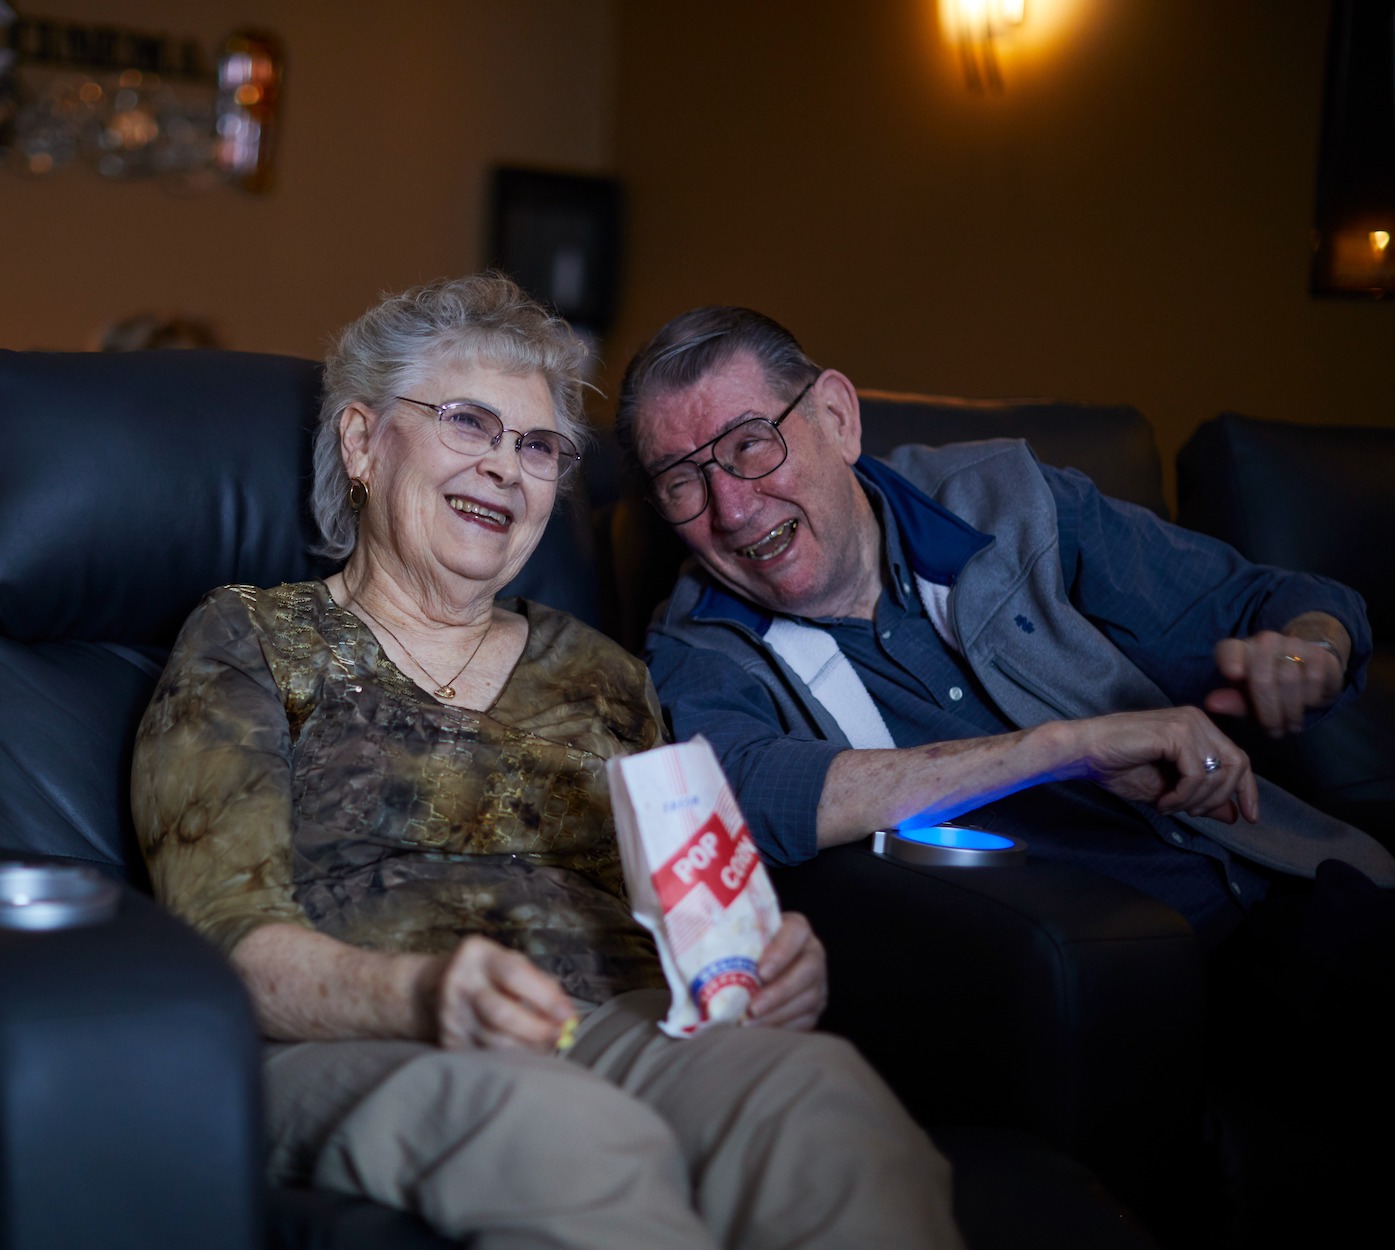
[(445, 692)]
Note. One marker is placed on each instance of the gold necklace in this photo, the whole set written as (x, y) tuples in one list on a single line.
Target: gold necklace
[(445, 689)]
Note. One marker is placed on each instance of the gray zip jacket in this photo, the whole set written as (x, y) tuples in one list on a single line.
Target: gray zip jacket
[(996, 487)]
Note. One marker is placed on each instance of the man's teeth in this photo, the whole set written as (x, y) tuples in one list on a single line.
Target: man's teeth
[(772, 544), (478, 509)]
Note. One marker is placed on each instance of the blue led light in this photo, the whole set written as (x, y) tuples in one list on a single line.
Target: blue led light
[(960, 839)]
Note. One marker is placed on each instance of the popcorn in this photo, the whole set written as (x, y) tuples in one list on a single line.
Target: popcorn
[(695, 880)]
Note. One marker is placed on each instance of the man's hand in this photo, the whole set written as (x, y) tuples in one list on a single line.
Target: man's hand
[(1278, 678), (491, 997), (1173, 758), (795, 978)]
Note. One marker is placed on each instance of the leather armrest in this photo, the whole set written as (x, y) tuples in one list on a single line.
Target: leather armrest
[(1043, 997), (129, 1089)]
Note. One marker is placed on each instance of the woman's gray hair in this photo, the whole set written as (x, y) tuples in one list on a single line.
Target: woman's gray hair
[(405, 338)]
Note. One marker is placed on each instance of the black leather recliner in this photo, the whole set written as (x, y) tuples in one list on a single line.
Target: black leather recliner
[(130, 1066), (1047, 1005)]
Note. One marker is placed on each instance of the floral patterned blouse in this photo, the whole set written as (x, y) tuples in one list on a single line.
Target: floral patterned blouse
[(286, 770)]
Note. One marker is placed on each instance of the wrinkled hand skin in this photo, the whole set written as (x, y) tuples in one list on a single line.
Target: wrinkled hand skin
[(1278, 678), (794, 976), (494, 998), (1159, 757)]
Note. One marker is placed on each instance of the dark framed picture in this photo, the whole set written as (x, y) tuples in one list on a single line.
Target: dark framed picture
[(558, 236)]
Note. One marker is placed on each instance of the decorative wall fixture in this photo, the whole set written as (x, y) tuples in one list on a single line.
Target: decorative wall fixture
[(135, 105), (1355, 214)]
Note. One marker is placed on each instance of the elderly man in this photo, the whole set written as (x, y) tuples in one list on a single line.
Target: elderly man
[(964, 631)]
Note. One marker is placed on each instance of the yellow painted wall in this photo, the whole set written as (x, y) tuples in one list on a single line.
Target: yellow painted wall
[(393, 115), (1129, 220)]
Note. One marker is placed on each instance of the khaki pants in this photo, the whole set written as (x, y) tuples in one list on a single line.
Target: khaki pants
[(750, 1138)]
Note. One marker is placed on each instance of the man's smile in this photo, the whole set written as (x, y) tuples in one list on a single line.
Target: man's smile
[(772, 544)]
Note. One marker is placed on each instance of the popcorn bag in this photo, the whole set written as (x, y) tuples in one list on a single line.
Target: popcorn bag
[(695, 879)]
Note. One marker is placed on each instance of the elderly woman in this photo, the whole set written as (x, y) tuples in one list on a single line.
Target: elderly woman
[(383, 795)]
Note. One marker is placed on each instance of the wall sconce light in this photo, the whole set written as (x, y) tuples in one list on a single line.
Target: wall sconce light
[(134, 105), (977, 26)]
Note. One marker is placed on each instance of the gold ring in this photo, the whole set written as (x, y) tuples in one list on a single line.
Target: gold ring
[(1297, 659)]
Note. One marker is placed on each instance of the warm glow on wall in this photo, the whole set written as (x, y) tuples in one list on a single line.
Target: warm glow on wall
[(990, 34), (1030, 21), (982, 15), (1358, 262)]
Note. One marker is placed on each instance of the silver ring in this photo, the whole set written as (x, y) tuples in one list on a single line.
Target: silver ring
[(1211, 763)]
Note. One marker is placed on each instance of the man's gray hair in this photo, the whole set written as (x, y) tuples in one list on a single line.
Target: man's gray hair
[(403, 340), (698, 343)]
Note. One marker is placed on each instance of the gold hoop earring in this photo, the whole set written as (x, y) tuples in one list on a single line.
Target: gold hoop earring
[(358, 494)]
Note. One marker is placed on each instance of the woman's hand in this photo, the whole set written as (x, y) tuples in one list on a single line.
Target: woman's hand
[(794, 973), (491, 997)]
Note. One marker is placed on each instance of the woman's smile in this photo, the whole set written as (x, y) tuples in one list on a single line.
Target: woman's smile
[(472, 509)]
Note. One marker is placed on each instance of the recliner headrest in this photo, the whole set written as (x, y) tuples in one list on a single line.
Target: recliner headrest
[(99, 451)]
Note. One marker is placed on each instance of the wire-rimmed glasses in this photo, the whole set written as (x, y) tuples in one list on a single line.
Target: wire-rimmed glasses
[(472, 430), (751, 450)]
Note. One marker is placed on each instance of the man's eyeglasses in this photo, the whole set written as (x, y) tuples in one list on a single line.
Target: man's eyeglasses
[(473, 430), (752, 450)]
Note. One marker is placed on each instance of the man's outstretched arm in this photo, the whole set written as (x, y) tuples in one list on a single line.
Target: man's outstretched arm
[(1207, 625), (1173, 758), (800, 793)]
